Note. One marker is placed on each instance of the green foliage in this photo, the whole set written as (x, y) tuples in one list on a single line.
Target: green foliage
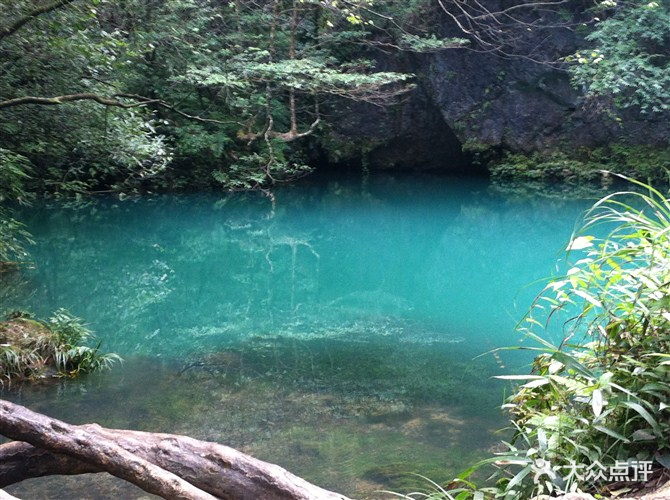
[(599, 396), (431, 43), (13, 240), (75, 147), (545, 167), (69, 331), (219, 78), (312, 76), (584, 165), (31, 349), (259, 170), (630, 57), (14, 173)]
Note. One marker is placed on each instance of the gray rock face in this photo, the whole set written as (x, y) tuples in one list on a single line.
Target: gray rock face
[(468, 101), (523, 106), (411, 135)]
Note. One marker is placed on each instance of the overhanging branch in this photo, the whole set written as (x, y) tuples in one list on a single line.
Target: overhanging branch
[(511, 31), (62, 99), (38, 11), (106, 101)]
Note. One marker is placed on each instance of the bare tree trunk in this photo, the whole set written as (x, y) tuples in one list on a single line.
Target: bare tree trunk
[(171, 466)]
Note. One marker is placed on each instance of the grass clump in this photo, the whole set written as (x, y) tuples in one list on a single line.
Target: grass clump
[(596, 404), (32, 349), (601, 396)]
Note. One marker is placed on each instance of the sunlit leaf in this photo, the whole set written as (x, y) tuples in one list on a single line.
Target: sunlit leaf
[(597, 402), (580, 243)]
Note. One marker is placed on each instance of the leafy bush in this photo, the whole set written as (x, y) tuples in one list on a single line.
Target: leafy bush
[(629, 58), (14, 173), (600, 397)]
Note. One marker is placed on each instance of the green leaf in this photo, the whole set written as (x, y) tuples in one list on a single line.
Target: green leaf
[(644, 414), (597, 402), (612, 433), (580, 243), (519, 377)]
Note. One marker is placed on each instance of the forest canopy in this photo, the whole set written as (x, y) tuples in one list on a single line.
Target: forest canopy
[(99, 95), (133, 95)]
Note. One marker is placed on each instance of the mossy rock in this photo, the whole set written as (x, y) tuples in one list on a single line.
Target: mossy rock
[(25, 333), (584, 165), (25, 346)]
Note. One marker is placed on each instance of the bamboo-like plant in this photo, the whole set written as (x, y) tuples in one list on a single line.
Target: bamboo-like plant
[(600, 396)]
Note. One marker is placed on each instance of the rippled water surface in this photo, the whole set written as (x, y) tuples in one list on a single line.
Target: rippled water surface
[(334, 328)]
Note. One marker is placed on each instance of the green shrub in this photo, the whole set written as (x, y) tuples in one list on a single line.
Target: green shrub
[(31, 349), (600, 396)]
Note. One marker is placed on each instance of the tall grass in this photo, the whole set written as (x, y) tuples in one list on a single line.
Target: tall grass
[(31, 350), (599, 398)]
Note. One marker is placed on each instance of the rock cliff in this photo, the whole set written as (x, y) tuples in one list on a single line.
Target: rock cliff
[(469, 102)]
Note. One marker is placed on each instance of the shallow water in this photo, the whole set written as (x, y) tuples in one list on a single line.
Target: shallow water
[(333, 329)]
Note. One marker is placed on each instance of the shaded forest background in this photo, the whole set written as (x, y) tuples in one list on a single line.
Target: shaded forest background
[(137, 96)]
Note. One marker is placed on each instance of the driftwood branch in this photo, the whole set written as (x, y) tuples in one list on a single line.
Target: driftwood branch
[(17, 422), (167, 465)]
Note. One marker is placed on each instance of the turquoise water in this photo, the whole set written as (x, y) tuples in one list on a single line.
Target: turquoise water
[(333, 327)]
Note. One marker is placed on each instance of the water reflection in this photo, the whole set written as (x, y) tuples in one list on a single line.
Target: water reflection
[(331, 329)]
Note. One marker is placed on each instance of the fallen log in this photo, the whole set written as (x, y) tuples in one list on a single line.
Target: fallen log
[(167, 465)]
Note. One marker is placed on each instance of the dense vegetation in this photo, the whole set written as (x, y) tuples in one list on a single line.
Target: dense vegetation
[(629, 59), (182, 93), (137, 95), (599, 396), (32, 349)]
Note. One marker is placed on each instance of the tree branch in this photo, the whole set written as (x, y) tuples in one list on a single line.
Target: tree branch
[(20, 461), (38, 11), (293, 134), (507, 32), (163, 104), (107, 101), (52, 101)]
